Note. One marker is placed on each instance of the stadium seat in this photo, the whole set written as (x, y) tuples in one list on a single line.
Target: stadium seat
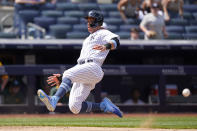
[(28, 15), (88, 6), (188, 16), (48, 6), (195, 15), (133, 21), (80, 28), (18, 7), (190, 8), (8, 35), (115, 14), (179, 21), (76, 35), (108, 7), (188, 1), (83, 1), (83, 21), (127, 28), (75, 13), (44, 22), (141, 35), (191, 29), (59, 31), (66, 6), (113, 28), (113, 21), (190, 36), (175, 29), (68, 20), (124, 35), (52, 13), (105, 14), (174, 36), (193, 22)]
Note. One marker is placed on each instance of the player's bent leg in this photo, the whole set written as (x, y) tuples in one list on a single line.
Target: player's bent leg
[(107, 106), (49, 101), (75, 107), (78, 95), (86, 73), (86, 106), (65, 87)]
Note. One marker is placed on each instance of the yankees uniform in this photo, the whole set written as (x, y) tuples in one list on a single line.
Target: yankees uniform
[(88, 72)]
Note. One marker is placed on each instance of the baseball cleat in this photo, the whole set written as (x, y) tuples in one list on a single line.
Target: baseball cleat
[(47, 100), (108, 106)]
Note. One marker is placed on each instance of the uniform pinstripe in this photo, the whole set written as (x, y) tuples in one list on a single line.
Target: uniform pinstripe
[(85, 76)]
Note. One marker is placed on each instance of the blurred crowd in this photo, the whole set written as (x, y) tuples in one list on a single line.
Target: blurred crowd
[(151, 15)]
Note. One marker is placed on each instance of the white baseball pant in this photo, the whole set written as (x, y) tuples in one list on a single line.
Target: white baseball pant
[(84, 78)]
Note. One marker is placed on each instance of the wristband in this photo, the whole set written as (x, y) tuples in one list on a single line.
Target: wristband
[(108, 46), (114, 42)]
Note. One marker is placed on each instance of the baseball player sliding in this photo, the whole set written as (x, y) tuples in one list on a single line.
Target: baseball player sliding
[(88, 72)]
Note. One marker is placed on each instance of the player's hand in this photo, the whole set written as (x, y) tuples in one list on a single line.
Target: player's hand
[(53, 80), (99, 47)]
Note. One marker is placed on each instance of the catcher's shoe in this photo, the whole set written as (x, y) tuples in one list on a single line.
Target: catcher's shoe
[(50, 102), (108, 106)]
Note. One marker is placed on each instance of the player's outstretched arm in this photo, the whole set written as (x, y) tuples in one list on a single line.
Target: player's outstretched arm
[(54, 80), (111, 45)]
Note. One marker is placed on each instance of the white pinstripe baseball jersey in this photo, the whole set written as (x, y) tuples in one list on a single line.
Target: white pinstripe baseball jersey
[(85, 76), (102, 37)]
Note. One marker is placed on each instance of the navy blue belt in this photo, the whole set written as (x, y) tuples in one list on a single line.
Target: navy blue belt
[(85, 61)]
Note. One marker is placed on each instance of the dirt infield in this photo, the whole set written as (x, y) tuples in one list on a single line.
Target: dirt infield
[(28, 128)]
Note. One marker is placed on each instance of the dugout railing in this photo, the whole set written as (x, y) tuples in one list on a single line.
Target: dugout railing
[(31, 71)]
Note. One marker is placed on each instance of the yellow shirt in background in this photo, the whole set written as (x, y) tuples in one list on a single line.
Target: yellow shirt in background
[(3, 76)]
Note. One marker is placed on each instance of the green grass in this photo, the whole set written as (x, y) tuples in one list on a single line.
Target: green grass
[(171, 122)]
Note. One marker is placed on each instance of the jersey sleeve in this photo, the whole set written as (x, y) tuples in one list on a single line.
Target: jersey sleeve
[(108, 36), (144, 21)]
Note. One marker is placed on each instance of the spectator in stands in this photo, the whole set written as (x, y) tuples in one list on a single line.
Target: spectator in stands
[(146, 5), (134, 34), (27, 4), (153, 24), (172, 8), (135, 98), (15, 93), (128, 9), (3, 80)]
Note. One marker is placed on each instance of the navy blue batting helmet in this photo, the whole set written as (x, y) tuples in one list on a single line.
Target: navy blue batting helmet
[(98, 18)]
